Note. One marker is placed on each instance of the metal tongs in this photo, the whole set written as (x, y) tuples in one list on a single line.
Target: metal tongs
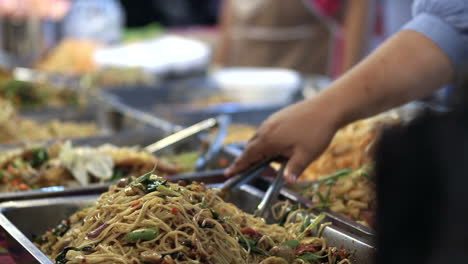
[(242, 178), (182, 135), (271, 194)]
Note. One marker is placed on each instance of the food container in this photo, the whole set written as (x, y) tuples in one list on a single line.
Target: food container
[(188, 101), (135, 138), (15, 220)]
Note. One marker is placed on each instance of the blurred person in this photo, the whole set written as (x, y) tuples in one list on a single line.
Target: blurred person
[(297, 34), (42, 9)]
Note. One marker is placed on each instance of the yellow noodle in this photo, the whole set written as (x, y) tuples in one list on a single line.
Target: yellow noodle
[(195, 226)]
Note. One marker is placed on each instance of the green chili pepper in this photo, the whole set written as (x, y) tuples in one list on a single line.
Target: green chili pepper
[(305, 223), (144, 234), (311, 227), (167, 191)]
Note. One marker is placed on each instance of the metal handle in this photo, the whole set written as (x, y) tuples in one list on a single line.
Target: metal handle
[(243, 178), (272, 193), (181, 135), (216, 145)]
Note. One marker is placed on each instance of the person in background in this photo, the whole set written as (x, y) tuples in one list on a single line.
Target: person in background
[(44, 9), (297, 34)]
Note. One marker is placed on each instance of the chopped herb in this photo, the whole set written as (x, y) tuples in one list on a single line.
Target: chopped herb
[(40, 156), (310, 257), (177, 255), (291, 243), (61, 229), (247, 243)]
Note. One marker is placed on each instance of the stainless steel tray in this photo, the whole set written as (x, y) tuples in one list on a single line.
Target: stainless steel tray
[(134, 138), (171, 100), (15, 219), (231, 152)]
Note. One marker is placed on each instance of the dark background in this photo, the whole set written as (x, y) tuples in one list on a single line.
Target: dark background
[(171, 13)]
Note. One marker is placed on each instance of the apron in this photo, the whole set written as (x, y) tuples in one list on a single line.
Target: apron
[(278, 33)]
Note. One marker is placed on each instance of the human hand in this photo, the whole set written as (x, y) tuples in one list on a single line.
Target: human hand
[(299, 133)]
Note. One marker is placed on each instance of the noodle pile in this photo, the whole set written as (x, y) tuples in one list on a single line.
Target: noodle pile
[(152, 221), (351, 148), (348, 192)]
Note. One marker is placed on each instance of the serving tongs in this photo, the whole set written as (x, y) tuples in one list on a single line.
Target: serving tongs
[(242, 178), (222, 123), (185, 134), (271, 194)]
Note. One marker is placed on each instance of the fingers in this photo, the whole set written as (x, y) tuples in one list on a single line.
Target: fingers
[(254, 153), (296, 165)]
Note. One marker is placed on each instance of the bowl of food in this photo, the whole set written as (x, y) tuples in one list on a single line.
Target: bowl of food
[(274, 86)]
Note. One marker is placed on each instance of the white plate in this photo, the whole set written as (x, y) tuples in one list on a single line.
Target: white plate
[(160, 55)]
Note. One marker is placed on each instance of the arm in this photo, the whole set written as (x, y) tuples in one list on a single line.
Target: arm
[(411, 64), (406, 67), (222, 46), (356, 26)]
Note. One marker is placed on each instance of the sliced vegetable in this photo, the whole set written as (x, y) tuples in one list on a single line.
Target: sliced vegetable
[(96, 232), (311, 227), (144, 234), (167, 191)]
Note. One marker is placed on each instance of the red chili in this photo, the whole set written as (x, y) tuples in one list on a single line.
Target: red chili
[(83, 260), (343, 254), (306, 248), (175, 211), (136, 203), (249, 231)]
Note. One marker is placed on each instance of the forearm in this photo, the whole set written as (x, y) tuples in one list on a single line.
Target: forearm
[(406, 67)]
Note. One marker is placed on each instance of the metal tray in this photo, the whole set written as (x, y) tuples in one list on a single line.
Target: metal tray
[(231, 152), (15, 219), (172, 101), (135, 138)]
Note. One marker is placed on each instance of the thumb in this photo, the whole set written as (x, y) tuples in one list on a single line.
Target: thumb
[(296, 165)]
